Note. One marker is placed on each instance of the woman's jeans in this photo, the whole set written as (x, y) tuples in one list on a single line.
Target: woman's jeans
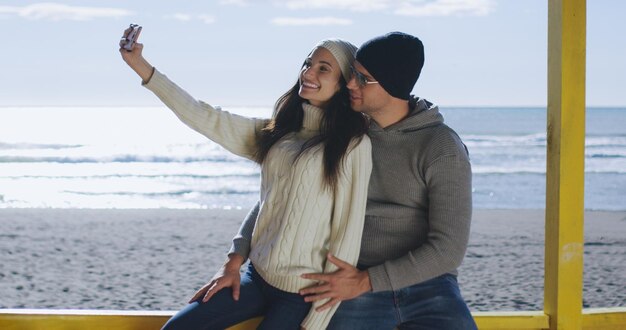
[(281, 310), (434, 304)]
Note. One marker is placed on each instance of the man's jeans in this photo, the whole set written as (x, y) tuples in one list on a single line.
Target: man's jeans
[(282, 310), (434, 304)]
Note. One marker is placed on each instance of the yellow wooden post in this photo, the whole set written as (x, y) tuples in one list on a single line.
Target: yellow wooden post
[(565, 163)]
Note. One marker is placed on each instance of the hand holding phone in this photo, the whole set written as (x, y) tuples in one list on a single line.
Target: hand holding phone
[(130, 37), (131, 52)]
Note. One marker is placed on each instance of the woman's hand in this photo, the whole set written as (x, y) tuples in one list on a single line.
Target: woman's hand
[(134, 58), (227, 277)]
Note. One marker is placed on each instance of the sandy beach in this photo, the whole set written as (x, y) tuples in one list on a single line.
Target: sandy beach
[(155, 259)]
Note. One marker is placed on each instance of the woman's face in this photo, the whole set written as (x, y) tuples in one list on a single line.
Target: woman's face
[(319, 77)]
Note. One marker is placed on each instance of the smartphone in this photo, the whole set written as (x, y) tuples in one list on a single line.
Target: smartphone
[(132, 36)]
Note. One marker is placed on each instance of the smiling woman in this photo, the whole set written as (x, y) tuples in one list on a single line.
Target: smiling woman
[(315, 165)]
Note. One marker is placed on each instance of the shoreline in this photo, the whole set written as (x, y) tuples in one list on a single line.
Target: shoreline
[(137, 259)]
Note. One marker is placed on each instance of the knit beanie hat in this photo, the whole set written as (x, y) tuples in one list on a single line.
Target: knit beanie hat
[(342, 51), (395, 60)]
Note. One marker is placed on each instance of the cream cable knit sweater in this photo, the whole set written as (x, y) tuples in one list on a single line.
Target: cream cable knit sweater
[(299, 220)]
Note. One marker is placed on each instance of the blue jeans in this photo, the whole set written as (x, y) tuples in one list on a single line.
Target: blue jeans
[(282, 310), (434, 304)]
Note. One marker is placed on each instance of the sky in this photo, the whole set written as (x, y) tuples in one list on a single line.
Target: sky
[(248, 53)]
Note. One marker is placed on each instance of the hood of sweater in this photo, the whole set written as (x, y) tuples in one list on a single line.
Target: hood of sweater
[(312, 117), (425, 114)]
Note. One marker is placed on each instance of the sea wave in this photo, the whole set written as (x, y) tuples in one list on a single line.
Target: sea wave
[(138, 176), (28, 146), (537, 140), (118, 159), (471, 139), (538, 171), (481, 141), (220, 167), (173, 193)]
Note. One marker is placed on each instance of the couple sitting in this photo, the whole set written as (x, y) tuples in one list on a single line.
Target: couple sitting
[(365, 199)]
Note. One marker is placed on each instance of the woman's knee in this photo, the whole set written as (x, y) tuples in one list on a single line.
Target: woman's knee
[(187, 318), (174, 323)]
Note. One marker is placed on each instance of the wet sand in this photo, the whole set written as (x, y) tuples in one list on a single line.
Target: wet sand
[(155, 259)]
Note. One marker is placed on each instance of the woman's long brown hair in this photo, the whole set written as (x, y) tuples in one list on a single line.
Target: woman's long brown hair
[(340, 124)]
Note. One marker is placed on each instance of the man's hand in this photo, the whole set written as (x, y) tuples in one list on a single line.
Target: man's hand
[(346, 283)]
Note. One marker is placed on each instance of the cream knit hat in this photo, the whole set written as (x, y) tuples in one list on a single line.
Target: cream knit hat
[(342, 51)]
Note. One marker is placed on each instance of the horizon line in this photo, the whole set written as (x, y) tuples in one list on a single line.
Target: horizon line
[(271, 106)]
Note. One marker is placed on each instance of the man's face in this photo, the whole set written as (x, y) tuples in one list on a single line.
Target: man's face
[(367, 96)]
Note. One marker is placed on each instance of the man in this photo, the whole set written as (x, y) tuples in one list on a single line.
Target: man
[(419, 205)]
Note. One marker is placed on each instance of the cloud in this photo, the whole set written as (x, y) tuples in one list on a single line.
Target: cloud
[(446, 8), (352, 5), (239, 3), (182, 17), (403, 8), (61, 12), (319, 21), (207, 19)]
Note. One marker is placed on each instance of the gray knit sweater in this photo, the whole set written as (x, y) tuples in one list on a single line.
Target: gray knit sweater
[(419, 203)]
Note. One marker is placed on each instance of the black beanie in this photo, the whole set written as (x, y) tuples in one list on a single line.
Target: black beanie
[(395, 60)]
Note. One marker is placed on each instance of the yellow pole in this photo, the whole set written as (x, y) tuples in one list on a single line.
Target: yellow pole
[(565, 163)]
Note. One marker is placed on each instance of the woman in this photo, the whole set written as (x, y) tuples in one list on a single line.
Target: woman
[(315, 166)]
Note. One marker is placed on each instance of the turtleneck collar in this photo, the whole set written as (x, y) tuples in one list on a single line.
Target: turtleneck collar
[(312, 117)]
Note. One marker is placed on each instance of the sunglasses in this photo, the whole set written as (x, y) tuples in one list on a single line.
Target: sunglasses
[(361, 80)]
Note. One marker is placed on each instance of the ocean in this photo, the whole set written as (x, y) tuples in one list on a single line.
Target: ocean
[(72, 179), (144, 157)]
